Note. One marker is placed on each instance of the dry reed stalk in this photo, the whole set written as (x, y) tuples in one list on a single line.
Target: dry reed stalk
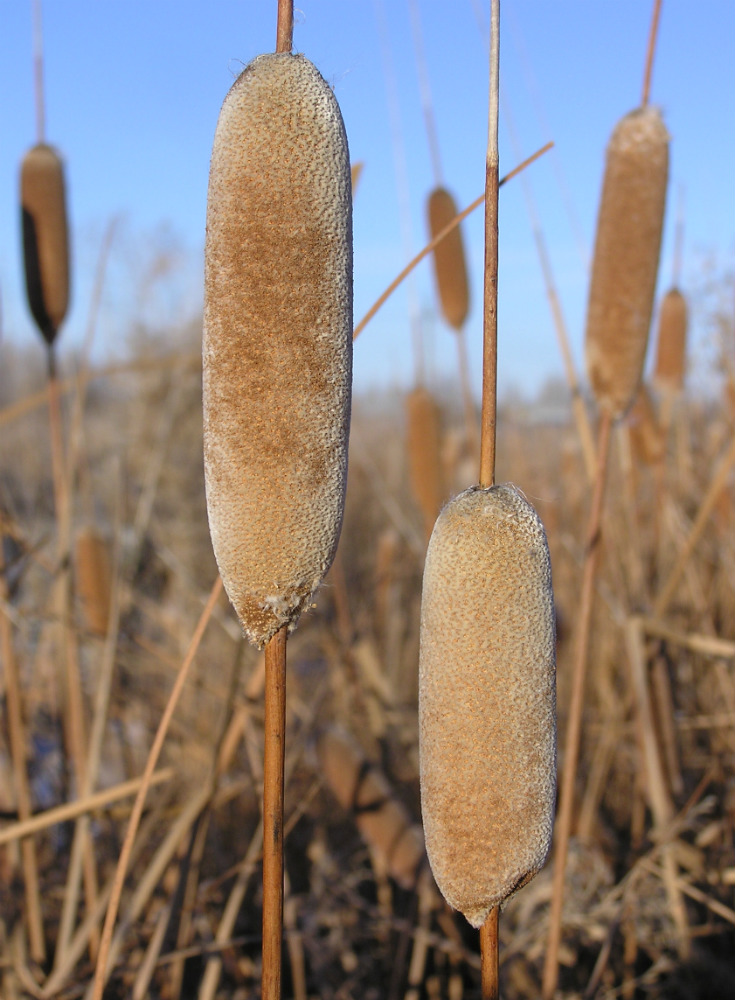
[(646, 437), (423, 419), (625, 266), (363, 791), (487, 726), (45, 238), (94, 580)]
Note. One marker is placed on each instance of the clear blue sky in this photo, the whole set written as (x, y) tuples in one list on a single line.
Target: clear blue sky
[(133, 90)]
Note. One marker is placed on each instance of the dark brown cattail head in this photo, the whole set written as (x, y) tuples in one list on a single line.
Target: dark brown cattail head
[(626, 256), (671, 342), (277, 351), (45, 238), (487, 699), (450, 270)]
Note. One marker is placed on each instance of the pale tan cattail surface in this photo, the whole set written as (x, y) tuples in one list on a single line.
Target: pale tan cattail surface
[(277, 350), (671, 342), (625, 264), (487, 701), (423, 420), (450, 269), (381, 818), (45, 237)]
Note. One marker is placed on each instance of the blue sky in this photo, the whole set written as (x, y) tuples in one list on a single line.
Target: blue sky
[(133, 89)]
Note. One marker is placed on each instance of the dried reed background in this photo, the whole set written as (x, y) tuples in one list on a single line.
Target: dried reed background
[(352, 929)]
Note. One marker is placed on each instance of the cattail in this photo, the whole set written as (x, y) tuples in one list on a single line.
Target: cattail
[(646, 438), (487, 698), (625, 263), (671, 342), (424, 453), (382, 819), (450, 269), (45, 238), (93, 580), (277, 349)]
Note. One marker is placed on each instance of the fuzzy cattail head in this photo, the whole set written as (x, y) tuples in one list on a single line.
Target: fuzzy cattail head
[(487, 702), (93, 580), (625, 264), (363, 790), (45, 237), (671, 342), (450, 270), (423, 420), (277, 350)]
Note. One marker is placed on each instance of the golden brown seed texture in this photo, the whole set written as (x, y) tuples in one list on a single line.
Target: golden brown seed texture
[(450, 269), (93, 580), (424, 453), (671, 342), (277, 350), (45, 237), (626, 257), (487, 701)]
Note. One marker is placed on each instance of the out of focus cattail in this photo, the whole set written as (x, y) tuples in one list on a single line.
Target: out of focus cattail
[(626, 257), (423, 420), (277, 338), (646, 438), (671, 342), (487, 725), (450, 269), (93, 580), (362, 789), (45, 238)]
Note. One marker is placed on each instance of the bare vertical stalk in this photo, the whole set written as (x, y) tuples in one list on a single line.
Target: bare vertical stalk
[(38, 72), (574, 719), (650, 53), (490, 956), (426, 101), (490, 300), (284, 27), (273, 782)]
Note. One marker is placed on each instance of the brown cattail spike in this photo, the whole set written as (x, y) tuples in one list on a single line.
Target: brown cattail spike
[(450, 269), (671, 342), (487, 703), (626, 257), (93, 580), (423, 420), (45, 238), (277, 338)]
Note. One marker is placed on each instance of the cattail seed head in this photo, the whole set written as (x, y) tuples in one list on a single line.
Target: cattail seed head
[(277, 351), (45, 238), (93, 580), (625, 265), (487, 702), (450, 269), (671, 342), (424, 453)]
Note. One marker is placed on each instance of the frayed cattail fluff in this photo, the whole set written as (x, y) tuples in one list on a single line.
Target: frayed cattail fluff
[(450, 270), (382, 819), (45, 238), (423, 420), (671, 342), (277, 338), (487, 701), (626, 256)]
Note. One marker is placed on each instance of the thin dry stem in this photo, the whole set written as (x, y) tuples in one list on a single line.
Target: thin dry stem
[(100, 976), (650, 52), (381, 300), (38, 72), (490, 302), (574, 719), (490, 955), (427, 105), (284, 29), (273, 783)]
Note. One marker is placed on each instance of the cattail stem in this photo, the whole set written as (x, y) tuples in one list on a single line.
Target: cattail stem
[(426, 101), (273, 781), (489, 955), (437, 240), (38, 72), (284, 27), (574, 719), (651, 52), (490, 310)]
